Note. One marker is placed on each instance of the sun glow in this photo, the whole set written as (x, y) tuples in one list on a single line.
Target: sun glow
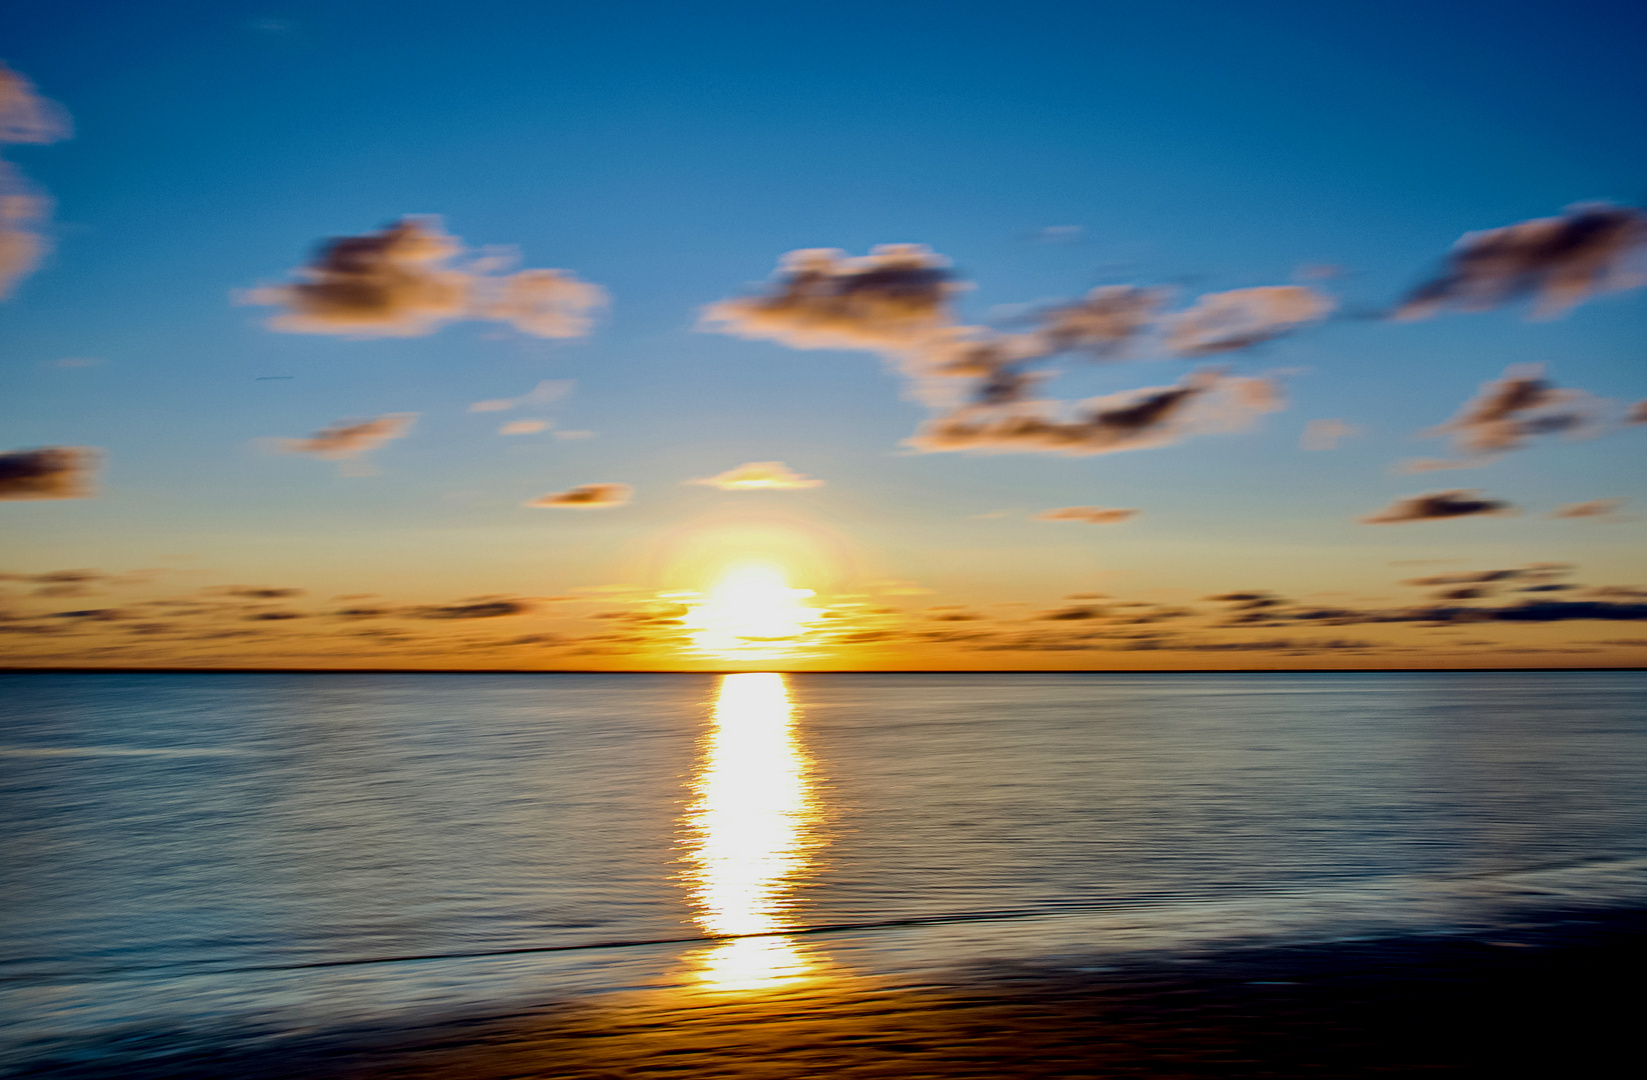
[(752, 614), (748, 834)]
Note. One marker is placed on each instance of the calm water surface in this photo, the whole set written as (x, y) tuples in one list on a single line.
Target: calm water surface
[(181, 851)]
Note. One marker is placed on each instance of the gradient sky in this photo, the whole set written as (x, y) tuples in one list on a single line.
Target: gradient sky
[(671, 154)]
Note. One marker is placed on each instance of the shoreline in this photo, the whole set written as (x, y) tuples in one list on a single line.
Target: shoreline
[(1532, 997)]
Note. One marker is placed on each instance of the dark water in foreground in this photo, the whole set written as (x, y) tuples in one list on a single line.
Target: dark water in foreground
[(181, 851)]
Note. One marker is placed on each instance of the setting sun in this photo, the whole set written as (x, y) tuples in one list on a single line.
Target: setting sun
[(752, 614)]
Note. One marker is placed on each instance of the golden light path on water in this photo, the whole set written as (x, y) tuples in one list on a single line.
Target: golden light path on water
[(749, 842)]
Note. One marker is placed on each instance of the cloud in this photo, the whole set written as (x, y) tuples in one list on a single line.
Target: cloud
[(1092, 515), (48, 472), (400, 282), (350, 438), (1437, 505), (546, 392), (25, 117), (1103, 322), (759, 476), (1557, 261), (1509, 410), (1204, 402), (574, 434), (523, 427), (586, 497), (1324, 434), (479, 608), (1637, 413), (1241, 318), (1595, 508), (892, 299)]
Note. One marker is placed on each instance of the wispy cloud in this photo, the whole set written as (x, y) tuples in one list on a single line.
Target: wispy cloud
[(523, 427), (759, 476), (48, 472), (546, 392), (1436, 506), (1242, 318), (586, 497), (1513, 408), (1602, 509), (1325, 434), (1557, 261), (1202, 403), (25, 117), (402, 282), (1091, 515), (349, 439)]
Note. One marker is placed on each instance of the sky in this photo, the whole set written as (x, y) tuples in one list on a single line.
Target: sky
[(569, 401)]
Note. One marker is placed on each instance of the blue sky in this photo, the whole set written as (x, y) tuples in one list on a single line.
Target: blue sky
[(671, 153)]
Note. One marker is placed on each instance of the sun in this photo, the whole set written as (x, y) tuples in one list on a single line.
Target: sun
[(752, 614)]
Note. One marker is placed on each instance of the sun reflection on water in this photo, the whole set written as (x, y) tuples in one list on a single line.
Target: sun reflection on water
[(749, 827)]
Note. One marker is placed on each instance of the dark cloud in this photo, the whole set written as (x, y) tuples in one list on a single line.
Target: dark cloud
[(893, 299), (1242, 318), (1509, 410), (1595, 508), (1072, 614), (1091, 515), (586, 497), (1531, 572), (1102, 323), (48, 472), (1557, 261), (253, 592), (1437, 505), (400, 282), (25, 117), (1637, 413), (1204, 402), (474, 609)]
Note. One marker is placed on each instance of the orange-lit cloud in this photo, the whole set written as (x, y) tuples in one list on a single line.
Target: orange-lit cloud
[(1325, 434), (401, 282), (25, 117), (1595, 508), (891, 299), (49, 472), (1515, 407), (523, 427), (1242, 318), (544, 393), (586, 497), (1559, 262), (1436, 506), (348, 439), (759, 476), (1203, 403), (1091, 515)]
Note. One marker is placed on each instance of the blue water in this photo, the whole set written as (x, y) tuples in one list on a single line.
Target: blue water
[(177, 847)]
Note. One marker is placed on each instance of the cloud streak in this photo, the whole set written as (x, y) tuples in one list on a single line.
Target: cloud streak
[(348, 439), (1090, 515), (760, 476), (586, 497), (1242, 318), (1202, 403), (1558, 262), (48, 472), (1437, 506), (401, 282), (25, 117), (1515, 407)]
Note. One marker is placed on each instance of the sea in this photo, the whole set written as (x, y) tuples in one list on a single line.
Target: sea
[(229, 858)]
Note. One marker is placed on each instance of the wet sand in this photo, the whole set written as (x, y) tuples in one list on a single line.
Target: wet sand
[(1546, 998)]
